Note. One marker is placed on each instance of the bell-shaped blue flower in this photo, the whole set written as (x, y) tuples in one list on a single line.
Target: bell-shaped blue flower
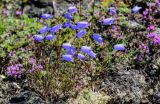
[(68, 16), (44, 29), (38, 38), (92, 54), (108, 21), (85, 49), (66, 46), (46, 16), (71, 50), (97, 38), (80, 56), (81, 33), (68, 58), (72, 9), (136, 9), (67, 24), (112, 10), (56, 28), (74, 27), (119, 47), (82, 25), (50, 37)]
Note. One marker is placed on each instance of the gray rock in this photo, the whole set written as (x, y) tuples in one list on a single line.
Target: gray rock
[(55, 7), (38, 7), (131, 24), (26, 97), (127, 85), (157, 98)]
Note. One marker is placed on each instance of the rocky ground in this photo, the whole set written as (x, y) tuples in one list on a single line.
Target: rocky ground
[(56, 7), (132, 86)]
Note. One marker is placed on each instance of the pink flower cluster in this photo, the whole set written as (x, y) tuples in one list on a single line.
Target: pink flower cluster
[(154, 37), (34, 66), (15, 70)]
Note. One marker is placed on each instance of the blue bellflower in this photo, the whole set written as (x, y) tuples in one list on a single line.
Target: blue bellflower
[(88, 51), (38, 38), (44, 29), (82, 25), (112, 10), (50, 37), (46, 16), (85, 49), (68, 16), (56, 28), (68, 58), (74, 27), (71, 50), (67, 24), (97, 38), (81, 33), (119, 47), (108, 21), (92, 54), (72, 9), (136, 9), (80, 56), (66, 46)]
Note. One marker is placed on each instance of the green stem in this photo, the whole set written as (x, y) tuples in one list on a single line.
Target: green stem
[(80, 11), (93, 7)]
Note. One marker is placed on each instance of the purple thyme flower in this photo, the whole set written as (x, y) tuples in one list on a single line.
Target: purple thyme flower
[(151, 27), (151, 35), (119, 47), (50, 37), (140, 57), (12, 54), (156, 40), (6, 12), (72, 9), (67, 24), (158, 3), (15, 70), (112, 10), (146, 12), (81, 33), (44, 29), (97, 38), (46, 16), (68, 16), (154, 37), (38, 38), (36, 67), (18, 13), (82, 25), (80, 56), (136, 9), (66, 46), (56, 28), (108, 21), (32, 61), (68, 58), (143, 46)]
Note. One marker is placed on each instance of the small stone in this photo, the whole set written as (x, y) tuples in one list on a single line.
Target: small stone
[(2, 77), (16, 85)]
